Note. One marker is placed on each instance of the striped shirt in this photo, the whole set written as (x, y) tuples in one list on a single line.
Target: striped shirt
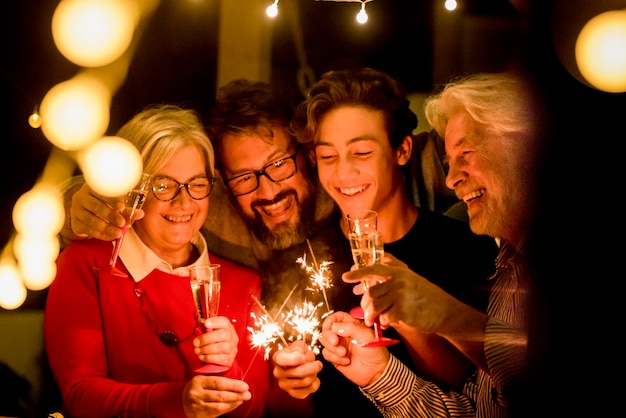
[(401, 393)]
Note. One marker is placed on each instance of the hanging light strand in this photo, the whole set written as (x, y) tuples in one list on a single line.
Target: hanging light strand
[(361, 17)]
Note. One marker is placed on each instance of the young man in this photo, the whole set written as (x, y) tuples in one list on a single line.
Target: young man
[(360, 125)]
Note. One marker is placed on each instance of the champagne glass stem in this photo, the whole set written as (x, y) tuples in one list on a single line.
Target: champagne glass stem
[(377, 330), (118, 245)]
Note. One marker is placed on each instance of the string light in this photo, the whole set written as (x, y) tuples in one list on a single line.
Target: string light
[(272, 11), (450, 5), (361, 17), (34, 120)]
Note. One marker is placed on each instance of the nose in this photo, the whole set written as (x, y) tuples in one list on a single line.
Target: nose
[(455, 175), (267, 188), (183, 197), (345, 168)]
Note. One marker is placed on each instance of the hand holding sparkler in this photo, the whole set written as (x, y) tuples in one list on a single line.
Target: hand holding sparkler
[(296, 369)]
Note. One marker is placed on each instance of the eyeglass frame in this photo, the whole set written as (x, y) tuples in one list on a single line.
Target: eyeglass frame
[(181, 186), (263, 171)]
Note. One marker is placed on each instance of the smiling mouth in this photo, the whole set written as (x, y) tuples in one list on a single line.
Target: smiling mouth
[(470, 197), (351, 191), (177, 219), (277, 206)]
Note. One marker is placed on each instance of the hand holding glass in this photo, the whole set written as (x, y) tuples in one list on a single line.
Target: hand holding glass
[(205, 287), (367, 249), (133, 202)]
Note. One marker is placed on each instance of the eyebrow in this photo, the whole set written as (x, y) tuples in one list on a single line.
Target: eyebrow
[(197, 176), (459, 143), (362, 138), (270, 161)]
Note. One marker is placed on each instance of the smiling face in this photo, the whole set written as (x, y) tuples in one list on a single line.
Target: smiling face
[(279, 213), (485, 174), (355, 161), (167, 227)]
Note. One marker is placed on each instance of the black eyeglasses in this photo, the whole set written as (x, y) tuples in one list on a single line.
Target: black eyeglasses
[(276, 171), (166, 189)]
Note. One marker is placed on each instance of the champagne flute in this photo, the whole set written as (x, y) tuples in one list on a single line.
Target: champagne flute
[(133, 202), (205, 287), (367, 248)]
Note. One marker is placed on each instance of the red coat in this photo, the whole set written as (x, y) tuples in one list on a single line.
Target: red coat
[(102, 343)]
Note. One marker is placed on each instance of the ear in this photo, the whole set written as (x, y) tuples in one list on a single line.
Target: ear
[(219, 175), (403, 153), (311, 156)]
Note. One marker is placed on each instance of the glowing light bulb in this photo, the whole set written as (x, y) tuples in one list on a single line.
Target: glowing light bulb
[(272, 11), (75, 112), (35, 119), (111, 166), (94, 33), (362, 17), (39, 247), (38, 274), (39, 211), (12, 290), (450, 5), (601, 51)]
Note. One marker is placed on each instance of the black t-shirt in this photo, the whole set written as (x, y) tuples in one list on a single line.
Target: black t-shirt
[(440, 248)]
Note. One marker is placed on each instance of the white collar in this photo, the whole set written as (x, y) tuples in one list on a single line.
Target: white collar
[(141, 260)]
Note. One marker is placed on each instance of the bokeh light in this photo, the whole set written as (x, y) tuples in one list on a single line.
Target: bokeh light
[(362, 17), (75, 112), (12, 290), (37, 273), (34, 120), (40, 246), (93, 33), (111, 166), (450, 5), (601, 51), (39, 211), (272, 10)]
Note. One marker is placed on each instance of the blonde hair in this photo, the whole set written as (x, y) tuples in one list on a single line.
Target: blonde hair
[(503, 102), (159, 131)]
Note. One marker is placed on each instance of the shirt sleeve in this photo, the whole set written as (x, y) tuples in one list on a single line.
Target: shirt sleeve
[(401, 393), (505, 351)]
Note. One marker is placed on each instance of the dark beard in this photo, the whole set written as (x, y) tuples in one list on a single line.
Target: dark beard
[(284, 235)]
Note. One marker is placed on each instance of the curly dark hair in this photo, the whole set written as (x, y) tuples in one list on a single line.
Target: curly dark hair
[(365, 87), (243, 107)]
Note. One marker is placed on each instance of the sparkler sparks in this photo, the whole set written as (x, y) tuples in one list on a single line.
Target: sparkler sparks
[(319, 275), (301, 323)]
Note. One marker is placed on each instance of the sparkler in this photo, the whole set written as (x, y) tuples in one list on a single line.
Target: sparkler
[(266, 330), (302, 322), (319, 275), (305, 321)]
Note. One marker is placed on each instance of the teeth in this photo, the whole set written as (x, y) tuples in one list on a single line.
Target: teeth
[(350, 191), (276, 208), (273, 206), (472, 195), (178, 218)]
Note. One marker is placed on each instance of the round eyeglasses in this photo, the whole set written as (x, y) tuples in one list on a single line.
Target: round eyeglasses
[(276, 171), (166, 189)]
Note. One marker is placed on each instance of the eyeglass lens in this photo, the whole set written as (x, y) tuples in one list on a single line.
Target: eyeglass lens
[(276, 171), (165, 188)]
